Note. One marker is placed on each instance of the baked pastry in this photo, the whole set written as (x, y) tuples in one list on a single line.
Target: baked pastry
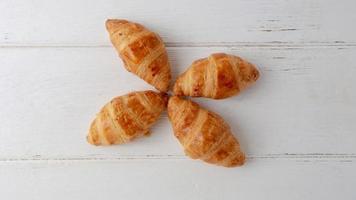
[(126, 117), (142, 51), (218, 76), (203, 134)]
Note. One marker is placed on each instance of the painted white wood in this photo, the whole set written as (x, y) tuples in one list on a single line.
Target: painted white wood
[(176, 180), (199, 22), (304, 102), (296, 124)]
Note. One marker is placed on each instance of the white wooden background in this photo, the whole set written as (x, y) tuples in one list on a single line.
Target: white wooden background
[(297, 124)]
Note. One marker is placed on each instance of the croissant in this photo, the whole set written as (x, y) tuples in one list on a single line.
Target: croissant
[(126, 117), (142, 51), (204, 134), (218, 76)]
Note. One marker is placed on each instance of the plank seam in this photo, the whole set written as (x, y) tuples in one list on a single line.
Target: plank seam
[(284, 156), (190, 44)]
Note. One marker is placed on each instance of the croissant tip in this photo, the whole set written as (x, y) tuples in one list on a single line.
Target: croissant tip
[(177, 90), (165, 98), (173, 99), (110, 23), (89, 140), (255, 74), (238, 161), (92, 140), (116, 21)]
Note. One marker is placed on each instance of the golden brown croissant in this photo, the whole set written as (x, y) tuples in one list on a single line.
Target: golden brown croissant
[(218, 76), (142, 51), (126, 117), (204, 134)]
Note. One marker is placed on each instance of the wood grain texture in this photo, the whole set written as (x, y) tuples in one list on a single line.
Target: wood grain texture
[(304, 102), (296, 124), (81, 22), (177, 179)]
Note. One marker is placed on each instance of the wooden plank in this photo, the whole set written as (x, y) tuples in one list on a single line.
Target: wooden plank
[(184, 22), (304, 103), (177, 179)]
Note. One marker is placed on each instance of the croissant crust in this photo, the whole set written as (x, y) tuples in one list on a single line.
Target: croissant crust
[(142, 51), (218, 76), (203, 134), (126, 117)]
